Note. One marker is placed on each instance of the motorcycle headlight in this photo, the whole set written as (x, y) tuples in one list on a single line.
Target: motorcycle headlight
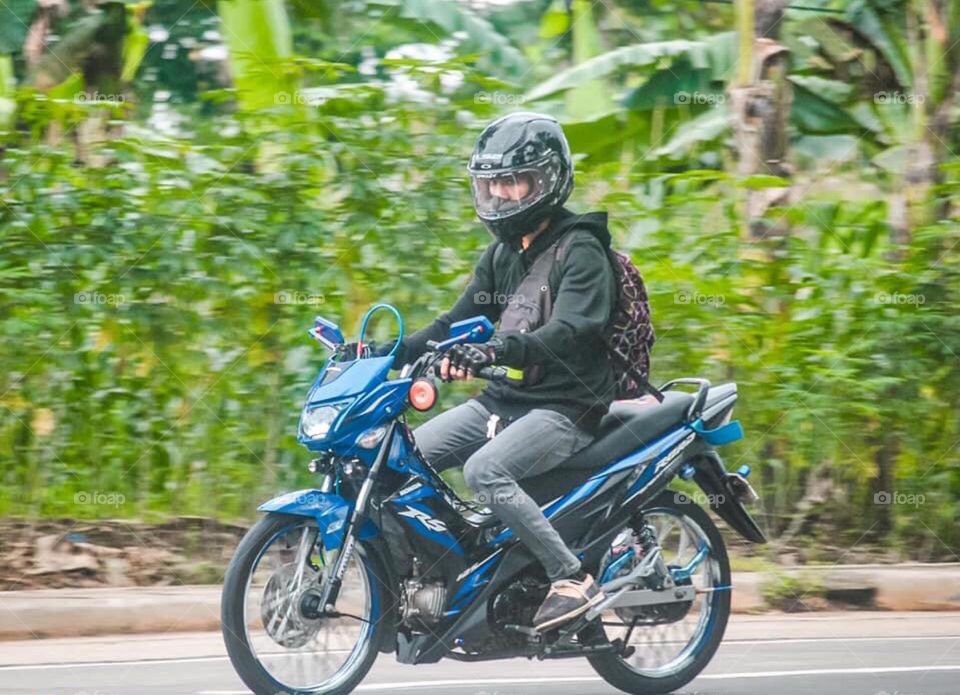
[(315, 422)]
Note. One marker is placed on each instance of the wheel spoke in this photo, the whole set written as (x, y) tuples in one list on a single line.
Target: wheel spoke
[(683, 544)]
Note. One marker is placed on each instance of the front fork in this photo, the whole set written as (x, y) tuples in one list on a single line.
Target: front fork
[(331, 587)]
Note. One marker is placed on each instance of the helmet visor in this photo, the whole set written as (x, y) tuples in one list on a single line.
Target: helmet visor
[(499, 194)]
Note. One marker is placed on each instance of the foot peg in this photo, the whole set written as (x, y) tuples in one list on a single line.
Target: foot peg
[(532, 634)]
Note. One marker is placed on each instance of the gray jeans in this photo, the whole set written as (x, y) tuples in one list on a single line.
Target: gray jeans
[(530, 445)]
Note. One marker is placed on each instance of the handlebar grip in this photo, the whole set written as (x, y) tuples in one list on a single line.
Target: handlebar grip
[(488, 373), (493, 373)]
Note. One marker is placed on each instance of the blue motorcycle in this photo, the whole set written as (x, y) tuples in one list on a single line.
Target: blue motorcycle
[(384, 556)]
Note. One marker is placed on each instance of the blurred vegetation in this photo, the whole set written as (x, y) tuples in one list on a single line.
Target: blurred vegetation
[(173, 217)]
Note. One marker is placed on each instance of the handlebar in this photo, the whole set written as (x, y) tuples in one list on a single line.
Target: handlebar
[(492, 373), (431, 365)]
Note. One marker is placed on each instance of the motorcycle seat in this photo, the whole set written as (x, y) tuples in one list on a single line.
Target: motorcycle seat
[(628, 426)]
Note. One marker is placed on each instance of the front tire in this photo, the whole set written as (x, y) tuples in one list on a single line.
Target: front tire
[(237, 622), (621, 674)]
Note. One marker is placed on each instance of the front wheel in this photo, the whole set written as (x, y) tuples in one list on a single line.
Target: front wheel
[(668, 645), (275, 640)]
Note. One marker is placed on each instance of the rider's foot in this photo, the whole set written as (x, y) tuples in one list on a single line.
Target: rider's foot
[(567, 599)]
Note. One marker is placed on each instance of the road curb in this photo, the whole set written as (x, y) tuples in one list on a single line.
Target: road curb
[(90, 612), (906, 587)]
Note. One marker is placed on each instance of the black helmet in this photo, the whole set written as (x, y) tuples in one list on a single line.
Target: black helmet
[(521, 171)]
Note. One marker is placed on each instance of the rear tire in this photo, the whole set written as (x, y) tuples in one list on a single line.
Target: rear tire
[(232, 610), (615, 671)]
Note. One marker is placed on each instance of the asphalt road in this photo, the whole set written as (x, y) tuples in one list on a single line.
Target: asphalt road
[(848, 654)]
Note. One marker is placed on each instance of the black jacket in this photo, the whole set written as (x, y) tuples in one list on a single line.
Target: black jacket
[(578, 379)]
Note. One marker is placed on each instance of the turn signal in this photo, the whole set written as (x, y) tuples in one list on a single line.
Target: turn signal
[(423, 394)]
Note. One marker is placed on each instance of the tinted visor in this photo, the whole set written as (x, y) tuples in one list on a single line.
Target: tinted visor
[(499, 194)]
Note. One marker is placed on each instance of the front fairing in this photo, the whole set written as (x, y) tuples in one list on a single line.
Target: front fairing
[(363, 396)]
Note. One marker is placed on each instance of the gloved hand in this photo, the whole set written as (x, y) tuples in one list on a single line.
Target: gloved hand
[(465, 360)]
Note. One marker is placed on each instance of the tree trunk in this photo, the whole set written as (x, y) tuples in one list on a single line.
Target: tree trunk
[(760, 108), (883, 485), (8, 104)]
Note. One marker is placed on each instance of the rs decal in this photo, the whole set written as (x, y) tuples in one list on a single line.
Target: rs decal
[(425, 519)]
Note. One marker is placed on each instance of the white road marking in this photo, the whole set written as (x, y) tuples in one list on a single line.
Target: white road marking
[(803, 640), (132, 662), (202, 659), (829, 672), (410, 685)]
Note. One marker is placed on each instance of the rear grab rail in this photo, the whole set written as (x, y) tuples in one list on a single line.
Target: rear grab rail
[(703, 387)]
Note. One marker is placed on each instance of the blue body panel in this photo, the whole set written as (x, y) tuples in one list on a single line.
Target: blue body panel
[(421, 518), (403, 459), (354, 379), (331, 511), (473, 583)]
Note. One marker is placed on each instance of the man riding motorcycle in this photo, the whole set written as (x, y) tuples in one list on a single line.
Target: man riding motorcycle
[(562, 382)]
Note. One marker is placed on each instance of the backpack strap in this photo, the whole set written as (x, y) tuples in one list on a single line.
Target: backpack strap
[(637, 376), (497, 252)]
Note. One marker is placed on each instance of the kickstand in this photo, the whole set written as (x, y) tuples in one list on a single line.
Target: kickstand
[(633, 624)]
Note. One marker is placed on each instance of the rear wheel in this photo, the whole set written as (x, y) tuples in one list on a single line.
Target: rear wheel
[(274, 637), (667, 646)]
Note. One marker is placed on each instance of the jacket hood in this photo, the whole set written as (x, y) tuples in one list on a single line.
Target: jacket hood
[(563, 222), (594, 222)]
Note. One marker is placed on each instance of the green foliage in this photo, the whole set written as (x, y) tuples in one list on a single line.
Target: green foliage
[(15, 18), (156, 301), (712, 55), (791, 592), (450, 17)]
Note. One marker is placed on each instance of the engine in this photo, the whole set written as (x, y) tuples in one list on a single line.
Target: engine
[(422, 602)]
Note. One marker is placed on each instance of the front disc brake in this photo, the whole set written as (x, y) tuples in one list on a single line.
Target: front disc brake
[(280, 607)]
